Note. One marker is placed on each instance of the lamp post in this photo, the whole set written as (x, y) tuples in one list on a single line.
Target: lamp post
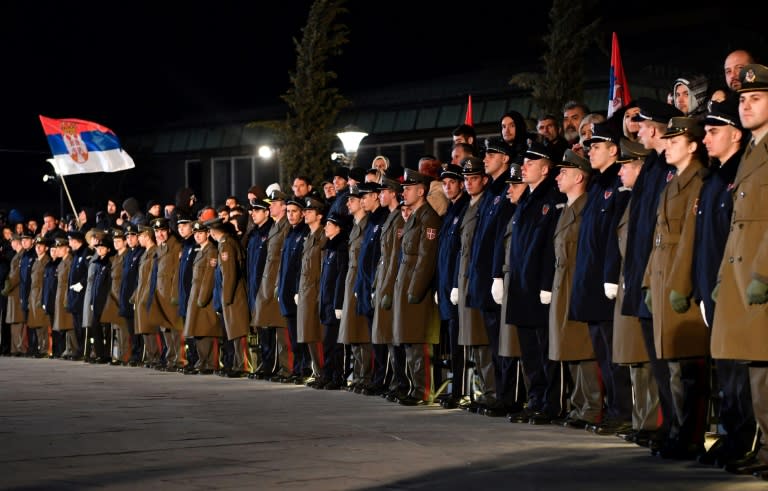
[(350, 137)]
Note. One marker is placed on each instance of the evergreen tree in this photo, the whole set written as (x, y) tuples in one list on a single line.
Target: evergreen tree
[(563, 60), (307, 133)]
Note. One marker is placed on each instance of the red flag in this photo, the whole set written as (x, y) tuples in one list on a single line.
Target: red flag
[(468, 116), (618, 90)]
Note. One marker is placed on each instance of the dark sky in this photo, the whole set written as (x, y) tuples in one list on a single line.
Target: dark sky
[(138, 65)]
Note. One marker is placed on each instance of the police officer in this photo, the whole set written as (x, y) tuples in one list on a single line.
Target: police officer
[(128, 284), (49, 296), (100, 292), (76, 283), (183, 223), (25, 283)]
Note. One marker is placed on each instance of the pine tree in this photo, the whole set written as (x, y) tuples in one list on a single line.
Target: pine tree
[(307, 133), (563, 61)]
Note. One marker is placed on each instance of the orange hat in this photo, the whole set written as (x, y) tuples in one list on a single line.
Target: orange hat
[(207, 214)]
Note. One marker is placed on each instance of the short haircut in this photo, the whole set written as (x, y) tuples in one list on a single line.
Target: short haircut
[(574, 105), (304, 178), (464, 129)]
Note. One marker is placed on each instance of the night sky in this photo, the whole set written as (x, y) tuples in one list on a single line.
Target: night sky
[(133, 66)]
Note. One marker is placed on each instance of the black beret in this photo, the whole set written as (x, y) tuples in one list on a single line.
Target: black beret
[(341, 171), (357, 173)]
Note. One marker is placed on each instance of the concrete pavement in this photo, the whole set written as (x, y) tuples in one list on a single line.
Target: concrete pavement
[(70, 425)]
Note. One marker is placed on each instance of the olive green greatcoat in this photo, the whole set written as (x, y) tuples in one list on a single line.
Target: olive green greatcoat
[(36, 316), (670, 265), (472, 331), (201, 320), (13, 311), (266, 311), (568, 340), (111, 312), (417, 323), (309, 329), (166, 308), (234, 301), (62, 319), (386, 272), (353, 328), (143, 323)]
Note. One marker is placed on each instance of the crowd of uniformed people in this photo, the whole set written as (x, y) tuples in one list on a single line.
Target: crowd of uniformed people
[(612, 276)]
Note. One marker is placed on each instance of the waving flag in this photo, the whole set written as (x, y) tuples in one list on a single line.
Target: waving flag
[(468, 115), (81, 147), (618, 91)]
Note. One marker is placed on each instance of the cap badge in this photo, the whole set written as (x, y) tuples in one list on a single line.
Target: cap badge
[(749, 76)]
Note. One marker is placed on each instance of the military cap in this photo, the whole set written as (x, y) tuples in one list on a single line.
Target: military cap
[(451, 170), (216, 224), (42, 240), (106, 241), (631, 150), (724, 113), (277, 195), (411, 177), (753, 78), (537, 151), (15, 236), (372, 171), (117, 233), (294, 200), (26, 234), (472, 166), (144, 228), (357, 173), (313, 204), (354, 191), (60, 242), (343, 221), (516, 170), (602, 132), (183, 218), (258, 204), (130, 229), (367, 187), (391, 184), (198, 226), (76, 234), (653, 110), (341, 171), (498, 145), (678, 126), (159, 223), (572, 160)]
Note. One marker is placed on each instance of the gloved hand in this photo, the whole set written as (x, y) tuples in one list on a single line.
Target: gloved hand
[(545, 297), (413, 300), (436, 302), (715, 291), (455, 296), (497, 290), (275, 295), (648, 299), (296, 298), (611, 290), (77, 287), (338, 313), (757, 292), (373, 297), (680, 303), (174, 301), (200, 304), (386, 302)]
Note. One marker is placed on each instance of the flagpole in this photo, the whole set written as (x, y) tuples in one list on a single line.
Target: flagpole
[(69, 197)]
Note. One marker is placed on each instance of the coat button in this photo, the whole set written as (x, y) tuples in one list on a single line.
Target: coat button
[(738, 259), (741, 225), (730, 259)]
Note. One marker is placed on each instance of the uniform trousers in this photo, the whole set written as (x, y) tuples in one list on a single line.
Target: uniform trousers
[(152, 349), (18, 338), (758, 382), (586, 392), (43, 340), (484, 375), (207, 353), (333, 354), (361, 364), (284, 356), (616, 380), (71, 344), (735, 412), (397, 371), (689, 385), (418, 359), (646, 410), (457, 359), (122, 334), (545, 390), (266, 348), (660, 370)]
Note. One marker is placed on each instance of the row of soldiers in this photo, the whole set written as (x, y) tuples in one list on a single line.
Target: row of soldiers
[(579, 292)]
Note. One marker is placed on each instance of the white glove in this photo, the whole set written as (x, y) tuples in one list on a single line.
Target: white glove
[(373, 296), (296, 298), (497, 290), (78, 287), (545, 297), (338, 313), (435, 298), (611, 289), (455, 296), (703, 313)]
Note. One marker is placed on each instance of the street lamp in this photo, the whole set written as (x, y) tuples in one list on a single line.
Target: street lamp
[(350, 137)]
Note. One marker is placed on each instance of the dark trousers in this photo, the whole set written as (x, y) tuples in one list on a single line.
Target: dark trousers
[(735, 412), (77, 318), (302, 365), (544, 377), (397, 376), (191, 348), (32, 340), (616, 379), (267, 348), (137, 341), (689, 384), (492, 318), (660, 370), (333, 353), (58, 339), (380, 354), (98, 349), (457, 359)]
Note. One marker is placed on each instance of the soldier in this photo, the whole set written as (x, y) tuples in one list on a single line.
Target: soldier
[(353, 328), (680, 335), (142, 300), (130, 280), (78, 278), (14, 315), (100, 290), (120, 351), (725, 140), (341, 185), (36, 316), (63, 321), (739, 325), (266, 311), (234, 303), (367, 263), (333, 276), (416, 321), (531, 271), (257, 243), (164, 294), (201, 321), (386, 272), (92, 327), (186, 259), (569, 340), (307, 298), (49, 297)]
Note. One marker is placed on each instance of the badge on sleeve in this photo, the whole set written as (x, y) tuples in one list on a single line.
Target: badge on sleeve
[(670, 175), (224, 256), (545, 209), (431, 233), (607, 194), (400, 233), (213, 262)]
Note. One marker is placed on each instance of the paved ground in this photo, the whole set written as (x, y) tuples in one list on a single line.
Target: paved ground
[(67, 425)]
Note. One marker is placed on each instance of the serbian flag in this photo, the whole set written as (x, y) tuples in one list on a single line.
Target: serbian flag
[(618, 91), (81, 147), (468, 115)]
